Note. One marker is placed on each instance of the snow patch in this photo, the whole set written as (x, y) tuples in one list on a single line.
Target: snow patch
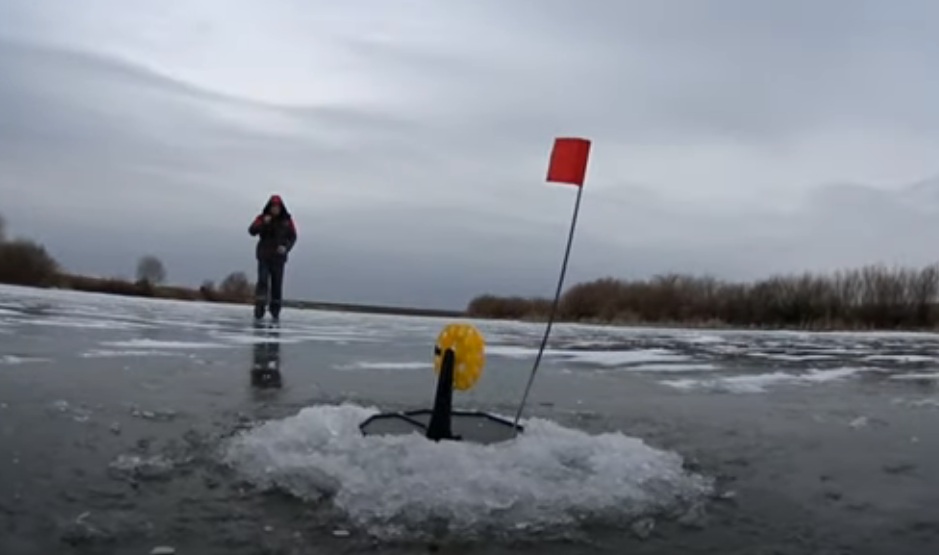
[(108, 353), (900, 358), (916, 376), (759, 383), (386, 366), (597, 358), (11, 360), (672, 367), (155, 344)]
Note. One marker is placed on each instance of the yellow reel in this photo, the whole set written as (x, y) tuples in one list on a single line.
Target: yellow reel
[(469, 349)]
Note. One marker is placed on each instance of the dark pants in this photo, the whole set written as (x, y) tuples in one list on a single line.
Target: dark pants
[(270, 281)]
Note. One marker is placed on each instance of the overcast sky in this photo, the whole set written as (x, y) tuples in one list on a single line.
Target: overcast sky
[(410, 138)]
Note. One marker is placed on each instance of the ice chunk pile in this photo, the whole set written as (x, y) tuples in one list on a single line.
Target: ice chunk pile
[(404, 487)]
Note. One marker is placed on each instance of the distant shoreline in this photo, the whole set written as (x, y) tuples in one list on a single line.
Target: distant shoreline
[(103, 286), (375, 309), (867, 299), (106, 286)]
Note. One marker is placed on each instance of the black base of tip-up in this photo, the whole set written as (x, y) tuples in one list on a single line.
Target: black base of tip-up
[(442, 422)]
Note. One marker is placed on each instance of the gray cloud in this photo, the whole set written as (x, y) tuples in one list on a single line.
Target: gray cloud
[(734, 138)]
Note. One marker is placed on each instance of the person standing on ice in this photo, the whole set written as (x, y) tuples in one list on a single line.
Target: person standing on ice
[(276, 236)]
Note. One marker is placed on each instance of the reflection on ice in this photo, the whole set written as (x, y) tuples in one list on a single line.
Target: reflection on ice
[(548, 479), (265, 359)]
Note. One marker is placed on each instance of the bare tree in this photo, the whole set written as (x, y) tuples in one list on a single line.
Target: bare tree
[(236, 286), (150, 270), (3, 230)]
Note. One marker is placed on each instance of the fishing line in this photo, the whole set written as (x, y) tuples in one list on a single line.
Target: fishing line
[(554, 309)]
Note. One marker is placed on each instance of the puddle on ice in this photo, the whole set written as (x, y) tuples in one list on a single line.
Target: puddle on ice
[(405, 487)]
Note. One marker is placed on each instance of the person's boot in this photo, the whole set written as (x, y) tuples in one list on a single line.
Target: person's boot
[(275, 310), (258, 310)]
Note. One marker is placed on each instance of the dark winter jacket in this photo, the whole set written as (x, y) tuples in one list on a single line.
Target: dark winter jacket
[(279, 232)]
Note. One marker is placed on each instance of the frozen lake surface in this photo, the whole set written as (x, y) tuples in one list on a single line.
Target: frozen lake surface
[(127, 424)]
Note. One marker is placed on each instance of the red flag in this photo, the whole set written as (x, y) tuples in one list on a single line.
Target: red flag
[(569, 161)]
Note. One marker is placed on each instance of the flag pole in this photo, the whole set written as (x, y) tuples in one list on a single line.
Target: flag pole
[(568, 165)]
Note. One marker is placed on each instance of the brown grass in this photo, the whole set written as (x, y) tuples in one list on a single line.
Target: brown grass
[(864, 298), (142, 288)]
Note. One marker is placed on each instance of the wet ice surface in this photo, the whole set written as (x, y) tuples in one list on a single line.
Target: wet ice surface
[(128, 424)]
